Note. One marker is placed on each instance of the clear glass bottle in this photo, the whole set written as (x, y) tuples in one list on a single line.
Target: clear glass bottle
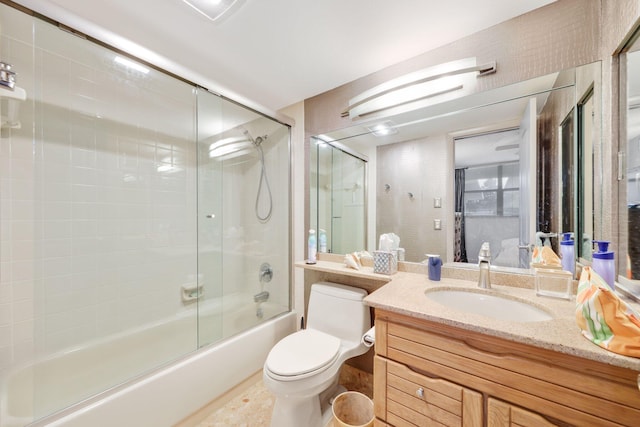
[(322, 241), (311, 247)]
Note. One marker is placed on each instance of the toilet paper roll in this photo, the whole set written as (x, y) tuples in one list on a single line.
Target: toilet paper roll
[(369, 338)]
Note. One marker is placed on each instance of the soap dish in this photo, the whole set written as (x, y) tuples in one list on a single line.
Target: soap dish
[(551, 282)]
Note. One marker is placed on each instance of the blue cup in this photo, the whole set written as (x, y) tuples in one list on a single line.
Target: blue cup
[(435, 264)]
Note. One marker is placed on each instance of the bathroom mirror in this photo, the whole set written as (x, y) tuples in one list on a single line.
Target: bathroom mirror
[(629, 174), (412, 176)]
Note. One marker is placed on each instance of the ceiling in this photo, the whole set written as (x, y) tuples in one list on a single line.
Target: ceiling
[(271, 54)]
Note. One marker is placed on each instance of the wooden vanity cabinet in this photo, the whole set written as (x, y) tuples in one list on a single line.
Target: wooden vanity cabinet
[(430, 371)]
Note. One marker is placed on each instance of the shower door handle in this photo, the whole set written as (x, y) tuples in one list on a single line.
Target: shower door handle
[(211, 216)]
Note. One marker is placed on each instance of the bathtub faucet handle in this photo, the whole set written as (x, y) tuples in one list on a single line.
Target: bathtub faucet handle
[(266, 273)]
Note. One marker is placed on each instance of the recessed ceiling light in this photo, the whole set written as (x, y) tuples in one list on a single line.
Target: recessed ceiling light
[(212, 9)]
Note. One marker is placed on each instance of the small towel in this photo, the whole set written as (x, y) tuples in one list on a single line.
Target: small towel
[(604, 318), (353, 260), (544, 256)]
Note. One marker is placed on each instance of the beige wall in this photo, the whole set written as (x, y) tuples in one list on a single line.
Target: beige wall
[(559, 36), (562, 35)]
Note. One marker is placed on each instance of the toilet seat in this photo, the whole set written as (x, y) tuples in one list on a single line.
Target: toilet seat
[(302, 354)]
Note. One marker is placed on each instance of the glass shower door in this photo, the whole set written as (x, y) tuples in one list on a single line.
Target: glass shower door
[(210, 262), (100, 159), (243, 211)]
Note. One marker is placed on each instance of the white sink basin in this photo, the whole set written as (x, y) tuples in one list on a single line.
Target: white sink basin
[(489, 305)]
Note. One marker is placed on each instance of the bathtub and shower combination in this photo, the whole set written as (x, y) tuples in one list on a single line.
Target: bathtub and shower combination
[(161, 397), (145, 236)]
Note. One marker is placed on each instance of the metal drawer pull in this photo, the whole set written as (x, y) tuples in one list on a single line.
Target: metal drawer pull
[(420, 393)]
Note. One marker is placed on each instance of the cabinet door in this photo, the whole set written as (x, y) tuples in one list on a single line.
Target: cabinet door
[(502, 414)]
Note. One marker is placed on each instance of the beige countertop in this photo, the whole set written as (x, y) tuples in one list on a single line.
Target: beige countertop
[(405, 294)]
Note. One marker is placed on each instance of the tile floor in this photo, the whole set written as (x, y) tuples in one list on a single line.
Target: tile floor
[(252, 407)]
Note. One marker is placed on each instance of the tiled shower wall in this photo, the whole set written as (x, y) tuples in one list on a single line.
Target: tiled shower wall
[(97, 199)]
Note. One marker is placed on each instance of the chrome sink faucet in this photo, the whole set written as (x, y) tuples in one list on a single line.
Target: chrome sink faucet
[(484, 265)]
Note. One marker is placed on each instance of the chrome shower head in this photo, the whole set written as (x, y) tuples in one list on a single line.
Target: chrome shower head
[(256, 141), (259, 140)]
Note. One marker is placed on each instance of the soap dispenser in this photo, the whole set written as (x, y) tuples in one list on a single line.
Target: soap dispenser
[(603, 263), (567, 250)]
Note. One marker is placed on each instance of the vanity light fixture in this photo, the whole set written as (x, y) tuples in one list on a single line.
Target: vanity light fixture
[(224, 147), (212, 9), (383, 129), (428, 85)]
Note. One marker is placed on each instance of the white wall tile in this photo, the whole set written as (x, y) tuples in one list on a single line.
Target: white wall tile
[(23, 270), (23, 311), (57, 229)]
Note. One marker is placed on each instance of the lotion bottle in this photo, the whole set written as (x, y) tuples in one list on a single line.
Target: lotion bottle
[(312, 247), (567, 250), (603, 263), (322, 241)]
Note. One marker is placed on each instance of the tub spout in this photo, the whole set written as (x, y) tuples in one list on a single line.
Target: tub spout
[(261, 296)]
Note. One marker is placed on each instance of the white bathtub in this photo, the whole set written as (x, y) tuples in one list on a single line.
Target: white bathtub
[(160, 398)]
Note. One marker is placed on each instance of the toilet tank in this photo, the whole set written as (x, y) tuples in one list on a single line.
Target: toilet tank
[(338, 310)]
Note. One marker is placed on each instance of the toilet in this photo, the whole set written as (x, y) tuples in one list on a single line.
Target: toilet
[(302, 369)]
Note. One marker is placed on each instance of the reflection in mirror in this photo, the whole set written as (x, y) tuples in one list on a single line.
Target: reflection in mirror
[(629, 224), (499, 202), (488, 188), (339, 193), (567, 172), (585, 226)]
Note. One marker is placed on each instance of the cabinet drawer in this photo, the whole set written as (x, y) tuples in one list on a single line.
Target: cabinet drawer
[(420, 400), (502, 414)]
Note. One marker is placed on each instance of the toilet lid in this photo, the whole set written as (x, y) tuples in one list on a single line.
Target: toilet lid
[(302, 352)]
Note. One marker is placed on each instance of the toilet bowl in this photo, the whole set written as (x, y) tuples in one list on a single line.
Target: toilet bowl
[(302, 369)]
